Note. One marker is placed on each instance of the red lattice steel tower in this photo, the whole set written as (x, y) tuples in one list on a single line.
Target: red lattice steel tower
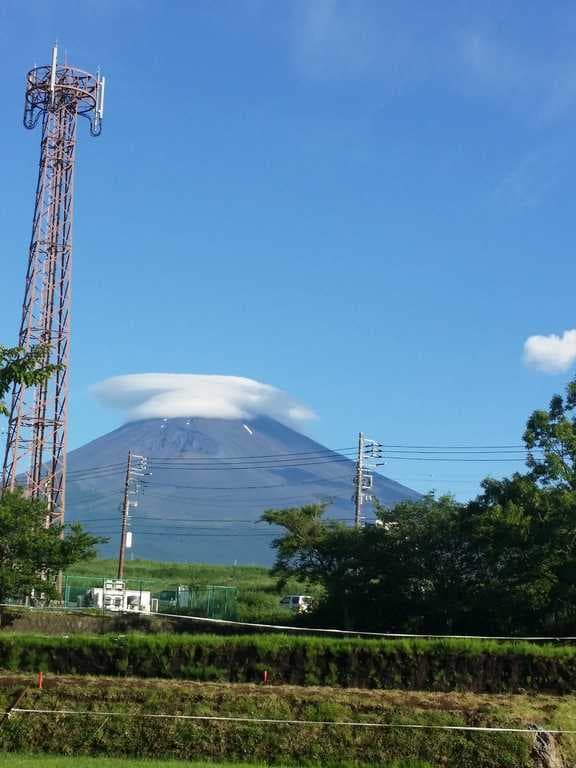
[(36, 443)]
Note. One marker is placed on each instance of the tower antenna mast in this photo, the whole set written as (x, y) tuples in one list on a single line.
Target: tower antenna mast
[(35, 455)]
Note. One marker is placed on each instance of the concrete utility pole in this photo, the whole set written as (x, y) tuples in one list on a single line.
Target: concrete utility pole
[(359, 481), (368, 452), (125, 514), (135, 468)]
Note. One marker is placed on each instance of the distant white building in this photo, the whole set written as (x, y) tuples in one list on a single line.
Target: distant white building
[(113, 596)]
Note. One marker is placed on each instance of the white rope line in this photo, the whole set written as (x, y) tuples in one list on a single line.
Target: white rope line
[(275, 721), (289, 628)]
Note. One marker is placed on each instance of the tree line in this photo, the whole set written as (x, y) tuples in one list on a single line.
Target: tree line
[(502, 563)]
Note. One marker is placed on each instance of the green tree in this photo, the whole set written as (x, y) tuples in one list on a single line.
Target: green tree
[(550, 437), (416, 564), (389, 575), (31, 555), (317, 551), (18, 366), (524, 537)]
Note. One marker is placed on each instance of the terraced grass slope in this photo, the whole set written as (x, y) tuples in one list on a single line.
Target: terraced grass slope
[(124, 731)]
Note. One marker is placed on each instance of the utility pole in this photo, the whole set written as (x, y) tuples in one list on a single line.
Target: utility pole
[(125, 513), (359, 482), (368, 451), (135, 468)]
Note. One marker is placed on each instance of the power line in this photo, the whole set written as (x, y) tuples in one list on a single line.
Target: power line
[(295, 459), (95, 476), (232, 467), (436, 458), (234, 503), (454, 447), (190, 535), (183, 527), (99, 497), (156, 483), (99, 467), (260, 456), (432, 452), (188, 519)]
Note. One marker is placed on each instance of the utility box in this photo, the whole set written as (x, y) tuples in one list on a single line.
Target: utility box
[(113, 596)]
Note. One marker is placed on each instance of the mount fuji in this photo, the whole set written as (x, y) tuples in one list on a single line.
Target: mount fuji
[(210, 479)]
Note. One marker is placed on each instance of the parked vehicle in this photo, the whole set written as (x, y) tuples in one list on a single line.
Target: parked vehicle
[(297, 603)]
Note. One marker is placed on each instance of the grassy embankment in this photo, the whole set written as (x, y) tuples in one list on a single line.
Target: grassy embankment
[(317, 743), (435, 665), (258, 595)]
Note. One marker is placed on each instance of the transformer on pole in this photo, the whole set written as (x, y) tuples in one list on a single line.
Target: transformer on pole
[(35, 454)]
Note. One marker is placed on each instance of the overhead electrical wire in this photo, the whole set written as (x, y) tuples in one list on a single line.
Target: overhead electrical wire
[(183, 528), (170, 519), (99, 467), (438, 458), (192, 535), (259, 456), (294, 459), (220, 502), (189, 521), (103, 473), (232, 467), (459, 453), (454, 447), (155, 483)]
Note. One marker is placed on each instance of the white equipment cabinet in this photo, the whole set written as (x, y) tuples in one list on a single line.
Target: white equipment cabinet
[(113, 596)]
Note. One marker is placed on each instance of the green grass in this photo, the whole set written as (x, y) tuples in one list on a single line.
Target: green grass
[(248, 576), (55, 761)]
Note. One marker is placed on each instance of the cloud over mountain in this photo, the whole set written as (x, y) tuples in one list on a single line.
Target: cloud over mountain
[(551, 354), (174, 395)]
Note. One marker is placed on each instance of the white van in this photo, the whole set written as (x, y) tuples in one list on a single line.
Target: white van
[(297, 603)]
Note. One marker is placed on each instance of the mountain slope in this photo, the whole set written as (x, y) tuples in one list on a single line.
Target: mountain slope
[(204, 495)]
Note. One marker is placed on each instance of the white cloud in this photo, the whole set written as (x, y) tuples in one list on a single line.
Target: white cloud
[(175, 395), (551, 354)]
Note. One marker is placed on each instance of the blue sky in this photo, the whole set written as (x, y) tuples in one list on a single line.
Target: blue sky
[(367, 204)]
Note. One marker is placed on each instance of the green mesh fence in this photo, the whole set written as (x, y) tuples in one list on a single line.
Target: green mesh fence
[(208, 601)]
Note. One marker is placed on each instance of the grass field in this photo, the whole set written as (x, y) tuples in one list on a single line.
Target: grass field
[(55, 761), (247, 576)]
